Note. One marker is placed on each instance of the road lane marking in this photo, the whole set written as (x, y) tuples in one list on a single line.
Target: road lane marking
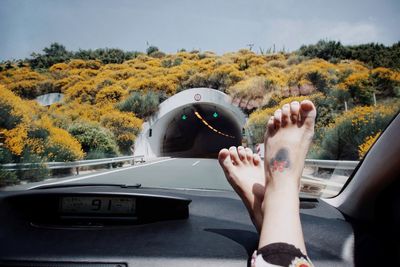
[(197, 162), (103, 173)]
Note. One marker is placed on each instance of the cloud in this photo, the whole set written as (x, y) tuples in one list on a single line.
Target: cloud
[(354, 33), (292, 33)]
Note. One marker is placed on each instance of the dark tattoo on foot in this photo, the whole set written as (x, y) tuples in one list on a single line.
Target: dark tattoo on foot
[(280, 161)]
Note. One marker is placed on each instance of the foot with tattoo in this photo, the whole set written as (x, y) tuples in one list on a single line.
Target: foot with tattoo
[(287, 139), (245, 172)]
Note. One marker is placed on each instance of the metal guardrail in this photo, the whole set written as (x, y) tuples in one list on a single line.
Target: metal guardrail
[(332, 164), (72, 164), (325, 186)]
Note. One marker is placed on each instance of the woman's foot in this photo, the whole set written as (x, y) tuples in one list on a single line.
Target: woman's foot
[(245, 172), (287, 140)]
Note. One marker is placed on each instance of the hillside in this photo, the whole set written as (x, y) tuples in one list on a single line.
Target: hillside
[(108, 94)]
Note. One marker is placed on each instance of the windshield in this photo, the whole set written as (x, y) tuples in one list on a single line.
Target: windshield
[(126, 93)]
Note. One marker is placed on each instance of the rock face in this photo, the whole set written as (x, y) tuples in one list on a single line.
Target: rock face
[(297, 90), (247, 104)]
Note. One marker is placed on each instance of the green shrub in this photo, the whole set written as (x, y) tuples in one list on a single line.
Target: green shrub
[(342, 138), (8, 178), (35, 173), (318, 80), (95, 140), (142, 105), (6, 156), (152, 49), (60, 153), (8, 120)]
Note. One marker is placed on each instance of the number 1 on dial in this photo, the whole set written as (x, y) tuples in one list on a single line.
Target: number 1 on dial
[(109, 204)]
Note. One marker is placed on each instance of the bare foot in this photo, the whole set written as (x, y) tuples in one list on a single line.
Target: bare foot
[(245, 172), (287, 139)]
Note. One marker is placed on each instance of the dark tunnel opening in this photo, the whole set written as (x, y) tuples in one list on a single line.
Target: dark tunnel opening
[(200, 130)]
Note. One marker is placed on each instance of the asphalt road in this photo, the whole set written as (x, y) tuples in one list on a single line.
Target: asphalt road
[(193, 173), (170, 173)]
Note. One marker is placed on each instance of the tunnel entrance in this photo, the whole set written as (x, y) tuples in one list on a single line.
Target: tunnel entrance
[(200, 130), (195, 122)]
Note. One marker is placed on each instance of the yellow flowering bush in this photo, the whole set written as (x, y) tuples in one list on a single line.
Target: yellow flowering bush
[(15, 139), (125, 127), (26, 129), (61, 146), (82, 92), (369, 141), (58, 67), (342, 138), (108, 96), (111, 94), (251, 88)]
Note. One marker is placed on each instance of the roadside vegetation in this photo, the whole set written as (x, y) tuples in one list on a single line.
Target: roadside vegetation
[(110, 92)]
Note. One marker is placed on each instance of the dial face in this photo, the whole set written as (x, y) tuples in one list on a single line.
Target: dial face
[(98, 205)]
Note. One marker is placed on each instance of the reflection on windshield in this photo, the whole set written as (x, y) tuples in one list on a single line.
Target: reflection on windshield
[(105, 105)]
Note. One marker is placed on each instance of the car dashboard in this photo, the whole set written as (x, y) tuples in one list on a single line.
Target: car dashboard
[(111, 226)]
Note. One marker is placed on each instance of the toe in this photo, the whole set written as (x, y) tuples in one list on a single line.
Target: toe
[(294, 111), (307, 113), (224, 159), (242, 154), (285, 114), (277, 118), (249, 154), (256, 160), (234, 155), (271, 126)]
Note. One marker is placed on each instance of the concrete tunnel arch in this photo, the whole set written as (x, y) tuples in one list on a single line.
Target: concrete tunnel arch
[(196, 122)]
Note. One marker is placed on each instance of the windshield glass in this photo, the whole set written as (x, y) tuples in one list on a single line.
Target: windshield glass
[(125, 93)]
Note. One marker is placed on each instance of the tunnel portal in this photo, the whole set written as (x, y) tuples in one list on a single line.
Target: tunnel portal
[(196, 122)]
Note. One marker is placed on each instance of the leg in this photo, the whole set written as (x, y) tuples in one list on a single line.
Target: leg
[(245, 172), (288, 137)]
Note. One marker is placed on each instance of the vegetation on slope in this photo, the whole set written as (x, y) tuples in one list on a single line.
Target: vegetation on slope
[(109, 92)]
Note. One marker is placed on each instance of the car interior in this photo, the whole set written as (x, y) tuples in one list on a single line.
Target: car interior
[(139, 226)]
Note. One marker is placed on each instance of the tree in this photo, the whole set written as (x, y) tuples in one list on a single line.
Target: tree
[(152, 49), (56, 53), (373, 54), (327, 50)]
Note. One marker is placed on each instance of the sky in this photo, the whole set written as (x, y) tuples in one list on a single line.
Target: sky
[(220, 26)]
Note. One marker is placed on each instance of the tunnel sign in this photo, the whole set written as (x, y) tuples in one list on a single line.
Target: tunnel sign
[(197, 97)]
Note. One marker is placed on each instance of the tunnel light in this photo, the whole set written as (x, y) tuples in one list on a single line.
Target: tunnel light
[(209, 126), (184, 117), (215, 115)]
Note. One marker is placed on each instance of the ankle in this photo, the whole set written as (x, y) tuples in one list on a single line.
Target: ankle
[(285, 185)]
